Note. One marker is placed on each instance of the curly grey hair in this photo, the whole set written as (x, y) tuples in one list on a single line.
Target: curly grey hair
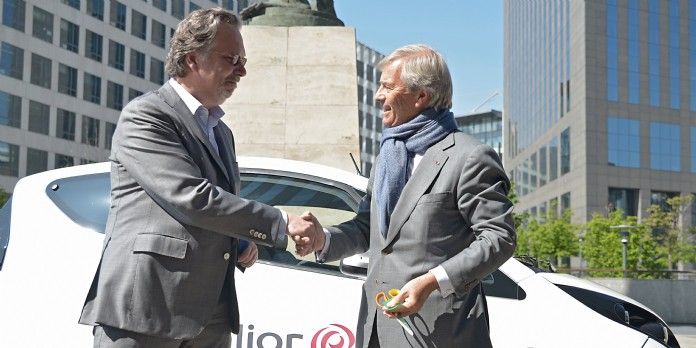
[(196, 33), (423, 68)]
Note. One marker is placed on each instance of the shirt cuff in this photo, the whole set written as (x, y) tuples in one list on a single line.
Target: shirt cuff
[(321, 254), (443, 281), (282, 230)]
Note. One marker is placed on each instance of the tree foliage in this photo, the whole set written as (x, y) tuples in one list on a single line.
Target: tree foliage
[(602, 247), (675, 239), (552, 239)]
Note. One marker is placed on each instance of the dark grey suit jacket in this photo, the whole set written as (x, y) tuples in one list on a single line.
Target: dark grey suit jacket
[(453, 212), (174, 223)]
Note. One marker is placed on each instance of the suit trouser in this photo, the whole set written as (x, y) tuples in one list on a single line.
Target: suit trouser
[(374, 338), (216, 334)]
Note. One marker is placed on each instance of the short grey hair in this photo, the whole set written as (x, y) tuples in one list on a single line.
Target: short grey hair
[(423, 68), (196, 33)]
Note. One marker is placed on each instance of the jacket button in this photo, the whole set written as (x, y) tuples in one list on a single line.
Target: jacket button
[(226, 256), (252, 232)]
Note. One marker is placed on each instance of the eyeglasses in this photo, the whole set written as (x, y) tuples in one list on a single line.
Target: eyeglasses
[(235, 60)]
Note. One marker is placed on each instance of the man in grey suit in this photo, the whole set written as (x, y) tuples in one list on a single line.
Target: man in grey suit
[(177, 227), (435, 216)]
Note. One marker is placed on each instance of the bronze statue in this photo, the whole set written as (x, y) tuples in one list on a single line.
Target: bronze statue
[(290, 13)]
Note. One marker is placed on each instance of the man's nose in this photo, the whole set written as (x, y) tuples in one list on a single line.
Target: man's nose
[(241, 71)]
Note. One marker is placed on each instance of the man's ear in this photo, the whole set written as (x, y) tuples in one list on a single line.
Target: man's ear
[(191, 60), (423, 99)]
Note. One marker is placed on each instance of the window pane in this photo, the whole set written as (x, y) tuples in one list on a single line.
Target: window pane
[(11, 61), (624, 199), (160, 4), (67, 80), (95, 8), (72, 3), (114, 95), (13, 13), (63, 161), (9, 159), (117, 54), (90, 131), (93, 45), (158, 33), (10, 110), (92, 88), (156, 71), (41, 71), (138, 24), (39, 116), (109, 130), (65, 124), (42, 26), (565, 151), (178, 8), (623, 142), (37, 161), (665, 147), (137, 63), (133, 93), (117, 15), (69, 35)]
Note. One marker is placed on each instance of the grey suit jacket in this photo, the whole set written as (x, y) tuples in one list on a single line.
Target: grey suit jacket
[(174, 223), (452, 212)]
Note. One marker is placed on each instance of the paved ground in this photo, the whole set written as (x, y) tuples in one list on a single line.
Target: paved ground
[(686, 334)]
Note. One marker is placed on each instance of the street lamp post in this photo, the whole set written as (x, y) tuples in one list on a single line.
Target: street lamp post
[(624, 230)]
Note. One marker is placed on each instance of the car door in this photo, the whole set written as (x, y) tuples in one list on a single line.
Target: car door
[(292, 301)]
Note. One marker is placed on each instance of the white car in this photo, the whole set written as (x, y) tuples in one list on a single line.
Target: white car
[(51, 234)]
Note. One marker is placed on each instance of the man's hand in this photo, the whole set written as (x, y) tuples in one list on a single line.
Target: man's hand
[(412, 296), (319, 239), (248, 256), (303, 232)]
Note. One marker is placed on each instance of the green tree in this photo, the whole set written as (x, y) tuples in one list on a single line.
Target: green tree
[(551, 239), (554, 239), (602, 247), (4, 196), (673, 237)]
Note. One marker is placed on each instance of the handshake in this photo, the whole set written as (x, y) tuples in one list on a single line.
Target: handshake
[(307, 233)]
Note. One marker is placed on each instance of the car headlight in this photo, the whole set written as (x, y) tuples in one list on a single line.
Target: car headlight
[(624, 313)]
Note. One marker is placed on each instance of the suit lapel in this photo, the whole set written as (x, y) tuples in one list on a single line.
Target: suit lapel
[(172, 99), (426, 172)]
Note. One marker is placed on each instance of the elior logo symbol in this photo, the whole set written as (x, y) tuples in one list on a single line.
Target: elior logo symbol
[(334, 336)]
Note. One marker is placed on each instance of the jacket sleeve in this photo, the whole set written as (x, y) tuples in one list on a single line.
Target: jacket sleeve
[(148, 146), (353, 236), (482, 200)]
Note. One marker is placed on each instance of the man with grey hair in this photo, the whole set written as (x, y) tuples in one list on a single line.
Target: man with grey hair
[(177, 227), (436, 216)]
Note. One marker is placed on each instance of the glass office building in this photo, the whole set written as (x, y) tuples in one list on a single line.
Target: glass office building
[(600, 103), (485, 126)]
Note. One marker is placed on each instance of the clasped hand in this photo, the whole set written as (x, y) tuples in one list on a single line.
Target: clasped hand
[(307, 233)]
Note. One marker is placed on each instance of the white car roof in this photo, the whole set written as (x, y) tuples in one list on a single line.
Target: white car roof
[(263, 163)]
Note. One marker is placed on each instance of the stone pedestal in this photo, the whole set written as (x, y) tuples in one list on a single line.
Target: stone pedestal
[(299, 98)]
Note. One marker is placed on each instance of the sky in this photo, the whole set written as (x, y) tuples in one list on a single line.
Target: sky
[(468, 33)]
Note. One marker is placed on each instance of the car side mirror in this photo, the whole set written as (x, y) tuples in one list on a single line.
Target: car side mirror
[(355, 265)]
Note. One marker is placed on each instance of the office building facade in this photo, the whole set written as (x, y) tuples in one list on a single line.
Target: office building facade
[(600, 103), (485, 126), (68, 67), (369, 114)]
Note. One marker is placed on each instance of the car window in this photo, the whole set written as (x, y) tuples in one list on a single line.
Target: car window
[(5, 214), (502, 286), (330, 202), (85, 199)]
